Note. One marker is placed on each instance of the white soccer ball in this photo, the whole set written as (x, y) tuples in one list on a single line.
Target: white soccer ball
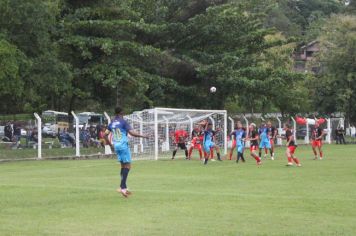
[(212, 89)]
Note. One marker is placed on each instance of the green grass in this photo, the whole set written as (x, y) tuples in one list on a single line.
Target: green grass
[(28, 152), (182, 197)]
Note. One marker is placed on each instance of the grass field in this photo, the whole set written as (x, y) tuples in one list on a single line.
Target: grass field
[(182, 197)]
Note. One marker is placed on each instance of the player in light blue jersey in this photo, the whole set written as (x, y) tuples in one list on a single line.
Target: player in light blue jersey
[(240, 136), (120, 129), (208, 141), (264, 139)]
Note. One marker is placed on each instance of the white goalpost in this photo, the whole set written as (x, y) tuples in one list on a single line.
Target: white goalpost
[(161, 123)]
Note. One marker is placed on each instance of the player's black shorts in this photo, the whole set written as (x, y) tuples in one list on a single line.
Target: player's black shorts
[(181, 145)]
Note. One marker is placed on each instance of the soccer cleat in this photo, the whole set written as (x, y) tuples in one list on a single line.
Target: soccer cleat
[(320, 158), (289, 164), (316, 158), (265, 156), (259, 163), (206, 161), (123, 192), (219, 159), (172, 158), (212, 159), (272, 158), (299, 165)]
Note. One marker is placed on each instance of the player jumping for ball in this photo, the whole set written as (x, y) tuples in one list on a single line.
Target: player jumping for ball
[(119, 129), (208, 143), (317, 141)]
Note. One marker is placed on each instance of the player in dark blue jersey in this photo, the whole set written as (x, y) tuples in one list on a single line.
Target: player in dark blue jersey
[(272, 134), (120, 129)]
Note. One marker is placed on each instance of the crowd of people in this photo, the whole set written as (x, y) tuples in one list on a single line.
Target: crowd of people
[(93, 136), (90, 136)]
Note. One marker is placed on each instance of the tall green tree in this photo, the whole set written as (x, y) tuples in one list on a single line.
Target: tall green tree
[(30, 26), (13, 66), (335, 88)]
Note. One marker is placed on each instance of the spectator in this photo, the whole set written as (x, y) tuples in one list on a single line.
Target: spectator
[(17, 135), (66, 139), (8, 132), (34, 135), (85, 137), (340, 135), (102, 136)]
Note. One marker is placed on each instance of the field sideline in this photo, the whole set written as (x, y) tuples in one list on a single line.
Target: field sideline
[(182, 197)]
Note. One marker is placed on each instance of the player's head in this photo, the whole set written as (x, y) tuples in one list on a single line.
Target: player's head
[(269, 123), (118, 111), (316, 124), (287, 126), (210, 125), (239, 125), (252, 126)]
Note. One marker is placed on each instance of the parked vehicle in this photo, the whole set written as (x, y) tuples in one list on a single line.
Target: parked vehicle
[(301, 132), (48, 132)]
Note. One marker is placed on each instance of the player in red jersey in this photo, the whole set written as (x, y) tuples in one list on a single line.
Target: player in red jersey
[(180, 139), (317, 137), (291, 146), (197, 139), (253, 138)]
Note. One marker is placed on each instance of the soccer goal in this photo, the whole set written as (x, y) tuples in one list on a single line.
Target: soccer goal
[(161, 123)]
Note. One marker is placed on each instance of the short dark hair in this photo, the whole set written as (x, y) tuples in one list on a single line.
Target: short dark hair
[(288, 125), (118, 110)]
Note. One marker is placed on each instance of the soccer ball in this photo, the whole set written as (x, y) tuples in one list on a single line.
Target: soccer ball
[(212, 89)]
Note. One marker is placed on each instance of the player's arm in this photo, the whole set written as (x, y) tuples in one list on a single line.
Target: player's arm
[(135, 134), (275, 134), (322, 134), (232, 135), (243, 137), (291, 138), (204, 124), (253, 139), (106, 138)]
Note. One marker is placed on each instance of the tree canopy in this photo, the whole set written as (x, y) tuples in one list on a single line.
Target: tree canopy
[(93, 55)]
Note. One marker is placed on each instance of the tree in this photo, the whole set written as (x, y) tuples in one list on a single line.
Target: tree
[(335, 88), (30, 26), (13, 66)]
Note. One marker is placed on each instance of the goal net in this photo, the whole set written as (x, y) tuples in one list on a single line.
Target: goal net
[(161, 123)]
